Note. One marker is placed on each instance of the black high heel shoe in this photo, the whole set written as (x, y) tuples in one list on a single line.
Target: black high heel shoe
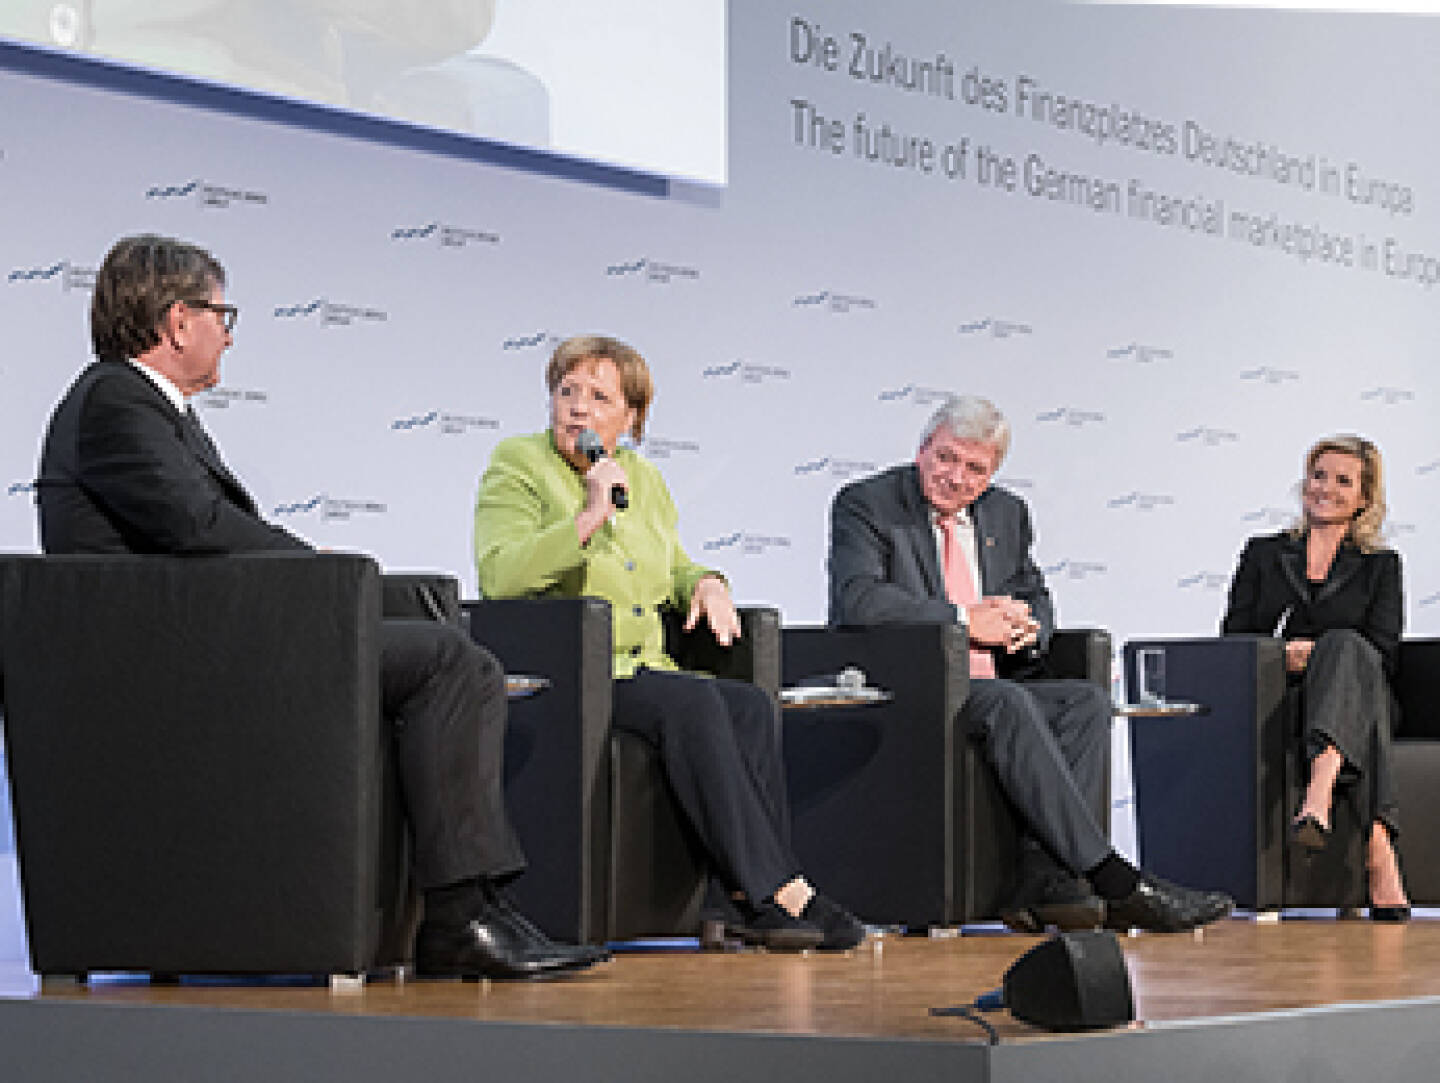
[(1309, 833), (1394, 914)]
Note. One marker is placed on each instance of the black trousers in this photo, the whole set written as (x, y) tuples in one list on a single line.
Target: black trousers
[(720, 743), (1345, 702), (1047, 742), (444, 699)]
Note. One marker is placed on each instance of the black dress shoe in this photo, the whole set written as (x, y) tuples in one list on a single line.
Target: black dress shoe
[(1053, 899), (1309, 833), (491, 943), (840, 930), (524, 927), (769, 926), (1158, 906)]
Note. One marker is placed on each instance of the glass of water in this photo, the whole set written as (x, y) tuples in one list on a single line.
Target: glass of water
[(1150, 667)]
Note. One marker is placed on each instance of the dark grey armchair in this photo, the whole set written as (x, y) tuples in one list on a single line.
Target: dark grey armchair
[(894, 809), (610, 856), (199, 777), (1214, 794)]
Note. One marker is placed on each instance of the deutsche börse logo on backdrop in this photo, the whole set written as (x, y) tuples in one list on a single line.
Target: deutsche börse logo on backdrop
[(1139, 353), (829, 466), (533, 341), (222, 398), (445, 423), (69, 276), (208, 195), (1005, 481), (746, 543), (995, 328), (331, 313), (1269, 516), (1387, 396), (913, 393), (653, 271), (443, 236), (330, 509), (1430, 600), (745, 372), (830, 301), (1203, 580), (1138, 501), (1265, 374), (1204, 436), (1071, 416), (20, 488), (1075, 570), (663, 447)]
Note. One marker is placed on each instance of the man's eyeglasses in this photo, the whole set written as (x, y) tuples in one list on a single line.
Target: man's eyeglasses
[(228, 313)]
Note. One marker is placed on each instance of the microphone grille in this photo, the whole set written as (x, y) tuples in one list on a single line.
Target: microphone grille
[(589, 445)]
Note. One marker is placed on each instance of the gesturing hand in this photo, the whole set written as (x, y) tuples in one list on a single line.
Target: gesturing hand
[(711, 598)]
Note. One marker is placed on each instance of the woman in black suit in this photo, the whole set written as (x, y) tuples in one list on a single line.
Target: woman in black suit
[(1332, 590)]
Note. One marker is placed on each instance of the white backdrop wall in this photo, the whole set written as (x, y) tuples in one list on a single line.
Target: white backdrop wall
[(398, 305)]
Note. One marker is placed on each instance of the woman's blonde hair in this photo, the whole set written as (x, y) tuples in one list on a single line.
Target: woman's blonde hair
[(1364, 530), (635, 382)]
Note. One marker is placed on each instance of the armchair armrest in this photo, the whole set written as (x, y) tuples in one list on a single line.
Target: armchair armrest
[(1417, 690), (420, 596), (1081, 654), (754, 657), (1210, 792), (557, 754), (873, 788)]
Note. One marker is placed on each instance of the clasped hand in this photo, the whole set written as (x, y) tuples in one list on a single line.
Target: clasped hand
[(1002, 621), (1297, 654)]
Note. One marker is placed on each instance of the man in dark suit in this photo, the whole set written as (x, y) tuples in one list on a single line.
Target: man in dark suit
[(934, 541), (127, 468)]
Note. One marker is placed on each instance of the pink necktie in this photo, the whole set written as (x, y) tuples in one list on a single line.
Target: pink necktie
[(960, 587)]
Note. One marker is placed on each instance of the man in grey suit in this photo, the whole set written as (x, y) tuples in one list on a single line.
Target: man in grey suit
[(935, 541)]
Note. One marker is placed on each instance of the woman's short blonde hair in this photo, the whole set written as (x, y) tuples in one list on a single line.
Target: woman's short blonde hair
[(635, 382), (1365, 530)]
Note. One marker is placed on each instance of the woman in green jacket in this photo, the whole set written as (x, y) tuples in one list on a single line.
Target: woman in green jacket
[(548, 522)]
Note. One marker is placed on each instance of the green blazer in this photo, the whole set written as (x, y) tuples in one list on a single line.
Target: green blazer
[(526, 544)]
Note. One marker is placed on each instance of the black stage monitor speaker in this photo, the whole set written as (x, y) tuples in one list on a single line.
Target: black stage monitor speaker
[(1073, 981)]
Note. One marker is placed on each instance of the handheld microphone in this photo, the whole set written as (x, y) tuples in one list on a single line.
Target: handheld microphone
[(589, 445)]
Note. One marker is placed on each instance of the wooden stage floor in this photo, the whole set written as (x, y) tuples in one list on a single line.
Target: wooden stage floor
[(884, 989)]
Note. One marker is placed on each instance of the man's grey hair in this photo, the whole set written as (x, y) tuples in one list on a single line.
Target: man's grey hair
[(969, 417)]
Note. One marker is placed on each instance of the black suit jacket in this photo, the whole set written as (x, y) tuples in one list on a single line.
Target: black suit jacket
[(885, 568), (1362, 592), (123, 471)]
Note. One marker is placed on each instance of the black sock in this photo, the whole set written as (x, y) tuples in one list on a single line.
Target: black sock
[(1114, 878)]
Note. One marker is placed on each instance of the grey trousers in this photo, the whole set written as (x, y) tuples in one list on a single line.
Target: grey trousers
[(1047, 741), (1345, 702)]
